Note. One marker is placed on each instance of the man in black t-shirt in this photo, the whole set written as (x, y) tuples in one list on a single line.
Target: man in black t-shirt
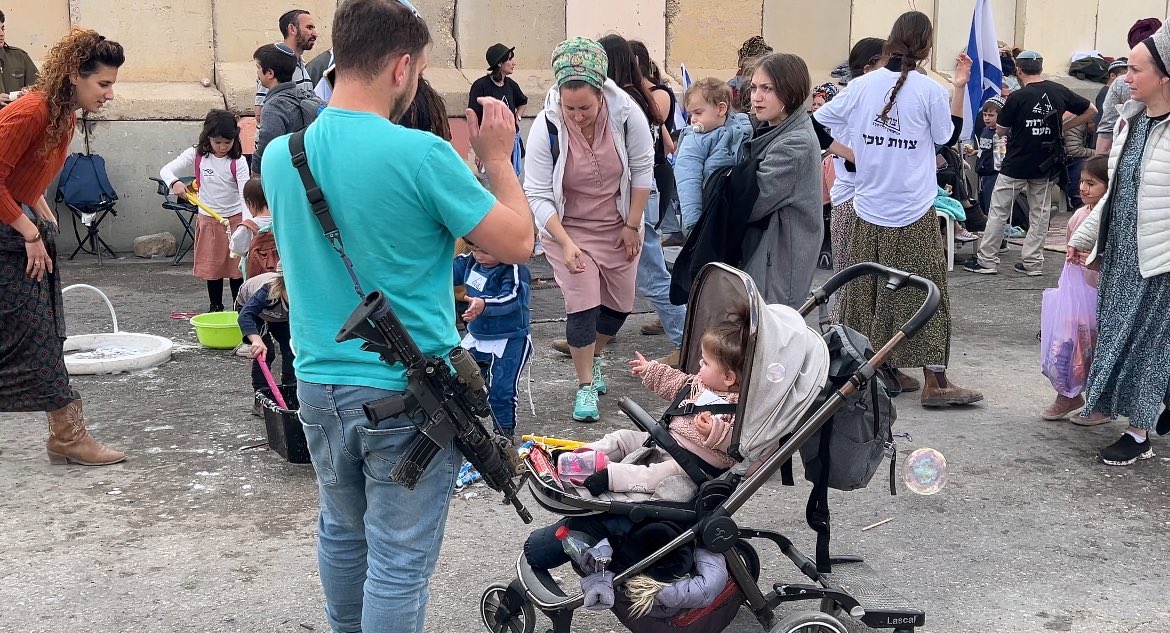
[(1031, 120)]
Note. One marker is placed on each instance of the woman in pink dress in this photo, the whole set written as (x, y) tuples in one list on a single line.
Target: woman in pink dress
[(588, 183)]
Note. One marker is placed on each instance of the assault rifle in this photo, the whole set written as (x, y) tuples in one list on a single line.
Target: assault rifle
[(445, 406)]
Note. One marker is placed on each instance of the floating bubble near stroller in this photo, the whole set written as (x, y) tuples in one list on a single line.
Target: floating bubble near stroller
[(786, 397)]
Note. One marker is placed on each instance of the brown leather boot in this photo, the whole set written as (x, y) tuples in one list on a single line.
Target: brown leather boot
[(70, 442), (937, 391), (908, 383)]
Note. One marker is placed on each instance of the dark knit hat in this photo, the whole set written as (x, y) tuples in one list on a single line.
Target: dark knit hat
[(1142, 29), (1159, 45)]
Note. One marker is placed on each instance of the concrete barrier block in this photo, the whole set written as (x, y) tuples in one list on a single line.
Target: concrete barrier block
[(440, 18), (643, 20), (703, 36), (1056, 40), (244, 26), (818, 32), (452, 85), (164, 40), (1114, 20), (952, 28), (162, 101), (237, 82), (873, 18), (534, 27), (37, 26)]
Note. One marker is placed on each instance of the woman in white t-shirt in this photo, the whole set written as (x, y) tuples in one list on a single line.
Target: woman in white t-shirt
[(888, 123)]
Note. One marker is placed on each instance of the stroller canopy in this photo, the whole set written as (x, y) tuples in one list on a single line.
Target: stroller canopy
[(786, 362)]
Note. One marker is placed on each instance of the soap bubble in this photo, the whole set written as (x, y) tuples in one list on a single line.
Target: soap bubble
[(776, 373), (925, 471)]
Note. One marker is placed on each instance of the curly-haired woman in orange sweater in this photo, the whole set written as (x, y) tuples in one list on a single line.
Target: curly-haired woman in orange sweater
[(35, 131)]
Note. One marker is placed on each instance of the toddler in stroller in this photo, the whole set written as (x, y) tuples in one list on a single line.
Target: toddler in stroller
[(667, 558), (700, 417)]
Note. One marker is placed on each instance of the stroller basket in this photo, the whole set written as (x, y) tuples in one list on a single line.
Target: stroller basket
[(770, 428)]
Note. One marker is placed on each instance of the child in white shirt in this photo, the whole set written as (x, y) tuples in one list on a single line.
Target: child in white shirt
[(220, 174)]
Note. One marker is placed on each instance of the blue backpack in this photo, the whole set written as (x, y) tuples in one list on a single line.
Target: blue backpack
[(84, 182)]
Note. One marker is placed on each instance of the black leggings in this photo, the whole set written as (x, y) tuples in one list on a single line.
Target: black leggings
[(582, 328), (215, 291)]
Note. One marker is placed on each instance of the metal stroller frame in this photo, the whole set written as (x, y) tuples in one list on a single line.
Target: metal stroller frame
[(853, 587)]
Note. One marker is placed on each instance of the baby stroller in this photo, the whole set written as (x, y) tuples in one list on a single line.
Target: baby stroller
[(780, 408)]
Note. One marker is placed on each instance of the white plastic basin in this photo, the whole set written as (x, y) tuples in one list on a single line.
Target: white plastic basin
[(113, 353)]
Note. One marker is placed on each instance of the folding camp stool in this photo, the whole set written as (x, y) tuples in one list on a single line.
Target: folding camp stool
[(84, 188), (91, 218), (186, 213)]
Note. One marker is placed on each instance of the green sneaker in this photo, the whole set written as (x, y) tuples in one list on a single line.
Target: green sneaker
[(598, 379), (585, 407)]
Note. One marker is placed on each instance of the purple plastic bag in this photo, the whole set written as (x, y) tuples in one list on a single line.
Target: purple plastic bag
[(1068, 331)]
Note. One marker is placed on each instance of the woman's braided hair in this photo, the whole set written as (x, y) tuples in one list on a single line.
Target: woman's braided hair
[(84, 52), (910, 41)]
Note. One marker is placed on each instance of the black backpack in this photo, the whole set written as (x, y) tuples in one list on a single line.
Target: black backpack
[(847, 451), (728, 197)]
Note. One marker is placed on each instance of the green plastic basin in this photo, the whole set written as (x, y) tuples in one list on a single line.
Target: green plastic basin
[(217, 330)]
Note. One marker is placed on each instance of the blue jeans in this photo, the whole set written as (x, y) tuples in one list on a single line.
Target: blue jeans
[(654, 279), (502, 375), (377, 541)]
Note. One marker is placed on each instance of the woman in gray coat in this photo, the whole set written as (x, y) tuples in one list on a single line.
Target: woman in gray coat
[(782, 242)]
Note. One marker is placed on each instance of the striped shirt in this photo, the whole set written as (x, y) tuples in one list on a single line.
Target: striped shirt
[(24, 172), (300, 75)]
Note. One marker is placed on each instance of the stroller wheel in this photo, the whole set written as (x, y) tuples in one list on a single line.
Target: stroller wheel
[(809, 622), (505, 611)]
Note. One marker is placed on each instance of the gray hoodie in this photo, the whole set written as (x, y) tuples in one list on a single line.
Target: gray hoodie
[(783, 241), (288, 108)]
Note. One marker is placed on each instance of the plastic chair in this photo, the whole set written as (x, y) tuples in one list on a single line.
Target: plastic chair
[(186, 213), (950, 224)]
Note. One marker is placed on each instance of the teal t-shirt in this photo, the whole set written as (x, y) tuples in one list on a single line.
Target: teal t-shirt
[(399, 197)]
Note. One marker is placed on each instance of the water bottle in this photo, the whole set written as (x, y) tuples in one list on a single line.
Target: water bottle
[(573, 546)]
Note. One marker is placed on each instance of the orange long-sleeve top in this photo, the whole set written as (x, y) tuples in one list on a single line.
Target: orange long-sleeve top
[(24, 171)]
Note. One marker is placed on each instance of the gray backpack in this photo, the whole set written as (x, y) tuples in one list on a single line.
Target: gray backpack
[(847, 451)]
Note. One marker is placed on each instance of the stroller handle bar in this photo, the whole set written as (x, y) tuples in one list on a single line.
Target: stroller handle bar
[(895, 280)]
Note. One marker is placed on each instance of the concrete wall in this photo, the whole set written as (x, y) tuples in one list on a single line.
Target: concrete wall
[(534, 27), (167, 40), (172, 44), (643, 20)]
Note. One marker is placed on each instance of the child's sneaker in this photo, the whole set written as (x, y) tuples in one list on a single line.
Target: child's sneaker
[(585, 407), (1126, 451), (598, 380)]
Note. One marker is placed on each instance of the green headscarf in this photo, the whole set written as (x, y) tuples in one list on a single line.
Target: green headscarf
[(580, 59)]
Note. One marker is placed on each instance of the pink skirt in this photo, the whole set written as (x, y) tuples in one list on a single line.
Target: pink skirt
[(212, 258), (608, 280)]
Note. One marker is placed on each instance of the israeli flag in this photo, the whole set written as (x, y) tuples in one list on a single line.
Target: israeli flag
[(680, 113), (986, 73)]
